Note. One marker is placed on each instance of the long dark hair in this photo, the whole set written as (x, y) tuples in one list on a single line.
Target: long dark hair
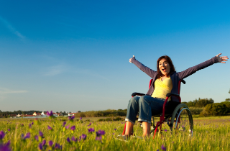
[(168, 59)]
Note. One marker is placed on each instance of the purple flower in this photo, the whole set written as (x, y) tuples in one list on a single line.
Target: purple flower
[(50, 128), (49, 113), (90, 130), (67, 127), (36, 137), (8, 129), (27, 136), (40, 146), (74, 139), (71, 118), (73, 128), (80, 118), (44, 142), (100, 132), (115, 129), (163, 147), (5, 147), (58, 146), (41, 134), (50, 143), (68, 140), (32, 123), (165, 130), (64, 123), (98, 138), (2, 134), (22, 125), (83, 136), (89, 124)]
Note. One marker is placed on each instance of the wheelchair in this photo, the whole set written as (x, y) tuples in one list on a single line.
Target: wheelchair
[(176, 114)]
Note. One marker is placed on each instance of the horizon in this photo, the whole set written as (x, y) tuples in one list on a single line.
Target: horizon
[(74, 55)]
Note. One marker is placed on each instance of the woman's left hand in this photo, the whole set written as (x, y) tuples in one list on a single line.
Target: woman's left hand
[(222, 59)]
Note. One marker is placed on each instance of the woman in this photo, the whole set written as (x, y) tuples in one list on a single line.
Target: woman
[(165, 80)]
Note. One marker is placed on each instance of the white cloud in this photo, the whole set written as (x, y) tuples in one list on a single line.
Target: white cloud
[(11, 28)]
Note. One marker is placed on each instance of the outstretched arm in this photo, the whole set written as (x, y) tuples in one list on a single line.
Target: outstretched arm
[(145, 69), (202, 65)]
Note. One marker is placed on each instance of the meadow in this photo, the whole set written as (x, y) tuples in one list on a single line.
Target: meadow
[(88, 134)]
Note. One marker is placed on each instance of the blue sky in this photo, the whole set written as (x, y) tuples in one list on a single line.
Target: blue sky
[(73, 55)]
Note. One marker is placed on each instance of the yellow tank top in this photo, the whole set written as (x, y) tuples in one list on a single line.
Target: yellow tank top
[(161, 88)]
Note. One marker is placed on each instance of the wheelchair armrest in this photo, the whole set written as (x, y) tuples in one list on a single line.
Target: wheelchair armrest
[(139, 94), (169, 94)]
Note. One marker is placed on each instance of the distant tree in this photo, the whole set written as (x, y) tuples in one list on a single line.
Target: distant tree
[(227, 100), (199, 103)]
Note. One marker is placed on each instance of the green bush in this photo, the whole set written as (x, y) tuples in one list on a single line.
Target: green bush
[(227, 105), (214, 109), (195, 110)]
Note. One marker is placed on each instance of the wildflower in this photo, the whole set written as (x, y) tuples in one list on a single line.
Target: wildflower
[(30, 125), (89, 124), (36, 137), (22, 125), (73, 128), (80, 118), (71, 118), (100, 132), (50, 143), (50, 128), (98, 138), (74, 139), (165, 130), (2, 134), (163, 147), (41, 134), (68, 140), (8, 129), (49, 113), (58, 146), (44, 142), (83, 136), (5, 147), (64, 123), (40, 146), (115, 129), (67, 126), (90, 130), (27, 136)]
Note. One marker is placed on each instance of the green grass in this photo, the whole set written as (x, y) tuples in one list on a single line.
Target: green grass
[(210, 133)]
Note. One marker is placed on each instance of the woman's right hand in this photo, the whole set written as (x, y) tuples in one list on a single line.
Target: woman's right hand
[(130, 60)]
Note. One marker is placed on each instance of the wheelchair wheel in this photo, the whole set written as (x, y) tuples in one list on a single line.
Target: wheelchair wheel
[(182, 120)]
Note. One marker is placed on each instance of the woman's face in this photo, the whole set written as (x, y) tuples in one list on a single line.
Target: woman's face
[(164, 67)]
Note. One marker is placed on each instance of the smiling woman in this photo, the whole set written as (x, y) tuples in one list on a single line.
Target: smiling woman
[(165, 80)]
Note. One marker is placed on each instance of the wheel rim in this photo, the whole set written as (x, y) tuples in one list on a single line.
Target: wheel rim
[(182, 120)]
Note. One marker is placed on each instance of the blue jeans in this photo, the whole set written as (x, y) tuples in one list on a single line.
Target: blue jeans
[(146, 106)]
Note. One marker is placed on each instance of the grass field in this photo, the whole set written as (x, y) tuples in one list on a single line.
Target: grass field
[(210, 133)]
